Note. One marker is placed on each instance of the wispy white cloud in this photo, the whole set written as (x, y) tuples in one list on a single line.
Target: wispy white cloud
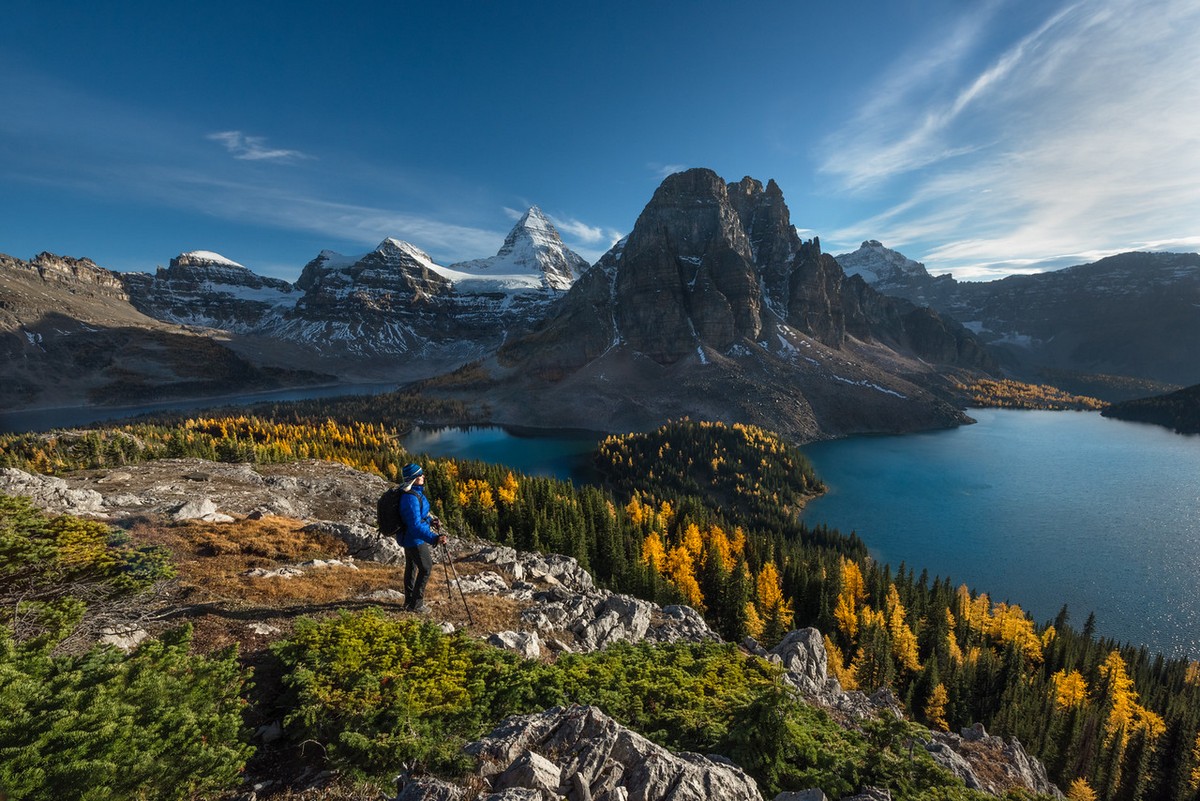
[(661, 171), (1076, 141), (254, 148), (589, 241)]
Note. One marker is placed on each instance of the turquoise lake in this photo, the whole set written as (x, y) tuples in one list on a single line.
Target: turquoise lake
[(1038, 508)]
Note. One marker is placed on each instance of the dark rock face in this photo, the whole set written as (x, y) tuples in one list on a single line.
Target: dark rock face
[(773, 241), (814, 299), (687, 274), (714, 307)]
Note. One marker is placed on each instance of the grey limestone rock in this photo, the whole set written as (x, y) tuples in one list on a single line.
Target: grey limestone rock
[(488, 582), (50, 493), (126, 638), (1008, 765), (429, 789), (202, 509), (803, 656), (363, 542), (814, 794), (514, 794), (611, 761), (870, 794), (525, 643), (532, 771)]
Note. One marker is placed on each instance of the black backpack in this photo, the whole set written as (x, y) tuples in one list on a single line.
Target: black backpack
[(387, 513)]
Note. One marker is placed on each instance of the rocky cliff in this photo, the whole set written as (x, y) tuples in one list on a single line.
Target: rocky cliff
[(206, 289), (714, 307), (1127, 315), (69, 335)]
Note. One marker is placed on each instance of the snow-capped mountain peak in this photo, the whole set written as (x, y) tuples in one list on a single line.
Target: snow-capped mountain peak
[(534, 249), (205, 258), (880, 266), (391, 247)]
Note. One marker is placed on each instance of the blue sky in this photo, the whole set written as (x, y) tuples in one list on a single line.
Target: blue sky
[(983, 138)]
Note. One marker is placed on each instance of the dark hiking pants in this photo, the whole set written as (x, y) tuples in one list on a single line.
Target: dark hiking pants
[(418, 564)]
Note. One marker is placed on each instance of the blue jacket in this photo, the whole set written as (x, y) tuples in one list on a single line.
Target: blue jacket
[(414, 515)]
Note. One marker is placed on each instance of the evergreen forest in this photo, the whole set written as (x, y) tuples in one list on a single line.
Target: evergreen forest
[(694, 512)]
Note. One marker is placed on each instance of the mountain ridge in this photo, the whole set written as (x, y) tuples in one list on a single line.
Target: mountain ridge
[(1132, 314)]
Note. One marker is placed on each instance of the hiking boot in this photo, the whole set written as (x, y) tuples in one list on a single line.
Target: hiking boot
[(419, 609)]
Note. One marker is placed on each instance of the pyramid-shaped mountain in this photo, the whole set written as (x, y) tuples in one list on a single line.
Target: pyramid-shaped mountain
[(713, 307), (533, 247)]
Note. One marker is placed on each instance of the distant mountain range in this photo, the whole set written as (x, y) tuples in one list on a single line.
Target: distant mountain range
[(390, 313), (69, 335), (1134, 314), (712, 307), (72, 332)]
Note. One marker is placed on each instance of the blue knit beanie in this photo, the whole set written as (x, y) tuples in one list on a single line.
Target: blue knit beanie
[(410, 472)]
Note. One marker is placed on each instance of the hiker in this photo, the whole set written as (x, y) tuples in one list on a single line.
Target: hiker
[(419, 537)]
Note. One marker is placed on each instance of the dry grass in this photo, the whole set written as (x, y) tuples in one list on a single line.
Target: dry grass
[(213, 559), (226, 606)]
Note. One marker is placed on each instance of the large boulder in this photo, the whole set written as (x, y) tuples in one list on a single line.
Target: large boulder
[(802, 654), (611, 761), (362, 541), (51, 494)]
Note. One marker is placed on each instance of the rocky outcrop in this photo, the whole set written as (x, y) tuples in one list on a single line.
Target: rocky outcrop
[(551, 568), (312, 490), (362, 541), (992, 764), (564, 610), (597, 619), (51, 494), (805, 661), (577, 750), (77, 275)]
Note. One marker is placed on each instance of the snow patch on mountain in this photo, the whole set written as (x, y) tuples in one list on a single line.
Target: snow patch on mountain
[(209, 257)]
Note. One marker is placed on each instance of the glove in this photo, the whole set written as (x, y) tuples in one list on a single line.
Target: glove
[(442, 539)]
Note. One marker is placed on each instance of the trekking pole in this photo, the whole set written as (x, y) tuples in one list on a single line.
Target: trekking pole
[(446, 570), (467, 606)]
